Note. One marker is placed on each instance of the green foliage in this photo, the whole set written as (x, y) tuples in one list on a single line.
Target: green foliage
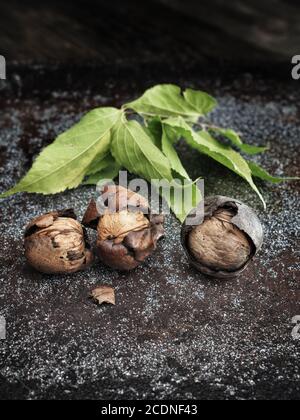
[(259, 172), (168, 101), (107, 140), (133, 149), (65, 163)]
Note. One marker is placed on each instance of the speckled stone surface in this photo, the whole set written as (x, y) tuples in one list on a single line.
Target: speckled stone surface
[(173, 333)]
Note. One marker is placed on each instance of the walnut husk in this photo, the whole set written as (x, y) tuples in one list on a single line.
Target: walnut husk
[(128, 232), (56, 243), (226, 238)]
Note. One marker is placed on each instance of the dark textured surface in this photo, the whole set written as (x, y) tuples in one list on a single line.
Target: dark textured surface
[(173, 333)]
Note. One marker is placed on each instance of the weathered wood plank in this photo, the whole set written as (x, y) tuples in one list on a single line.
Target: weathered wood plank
[(149, 31), (272, 25)]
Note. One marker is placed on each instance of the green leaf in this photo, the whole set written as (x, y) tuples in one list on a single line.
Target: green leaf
[(165, 138), (205, 143), (100, 163), (200, 101), (261, 173), (170, 152), (182, 207), (108, 173), (168, 101), (133, 149), (235, 139), (154, 131), (64, 163)]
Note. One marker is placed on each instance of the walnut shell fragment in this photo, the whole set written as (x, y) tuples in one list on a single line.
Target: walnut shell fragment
[(56, 243), (128, 232), (225, 240), (103, 294)]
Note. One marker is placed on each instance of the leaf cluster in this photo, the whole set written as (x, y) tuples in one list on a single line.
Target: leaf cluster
[(109, 139)]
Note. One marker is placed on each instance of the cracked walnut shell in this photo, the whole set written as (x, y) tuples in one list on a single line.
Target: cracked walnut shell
[(128, 232), (55, 243), (225, 241)]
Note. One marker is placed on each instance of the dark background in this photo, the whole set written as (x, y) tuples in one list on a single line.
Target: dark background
[(262, 33)]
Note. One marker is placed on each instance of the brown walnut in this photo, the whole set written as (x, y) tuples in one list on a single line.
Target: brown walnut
[(128, 232), (226, 239), (55, 243)]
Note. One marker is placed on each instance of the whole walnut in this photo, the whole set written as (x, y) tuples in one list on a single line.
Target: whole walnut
[(56, 243), (127, 231), (226, 239)]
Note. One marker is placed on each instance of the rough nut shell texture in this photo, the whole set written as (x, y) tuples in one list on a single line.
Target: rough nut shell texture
[(55, 244), (127, 233), (225, 240), (219, 244)]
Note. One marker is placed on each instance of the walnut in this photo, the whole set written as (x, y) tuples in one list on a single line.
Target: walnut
[(55, 243), (127, 231), (226, 240), (118, 225)]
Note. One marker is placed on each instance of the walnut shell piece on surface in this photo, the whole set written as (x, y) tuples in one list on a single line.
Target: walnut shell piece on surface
[(127, 231), (225, 241), (56, 243), (103, 294)]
